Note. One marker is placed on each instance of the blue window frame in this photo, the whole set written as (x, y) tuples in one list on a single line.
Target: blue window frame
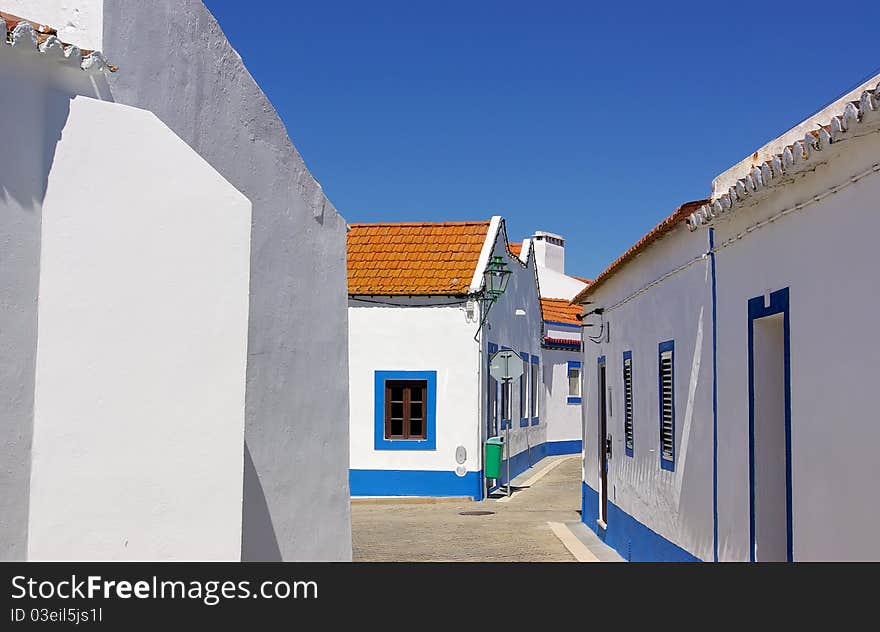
[(666, 397), (430, 440), (524, 391), (534, 398), (574, 382), (628, 429), (492, 394)]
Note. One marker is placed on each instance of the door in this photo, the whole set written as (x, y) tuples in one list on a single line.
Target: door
[(770, 429), (601, 446)]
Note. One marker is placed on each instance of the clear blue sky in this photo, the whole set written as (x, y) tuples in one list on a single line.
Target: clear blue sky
[(593, 120)]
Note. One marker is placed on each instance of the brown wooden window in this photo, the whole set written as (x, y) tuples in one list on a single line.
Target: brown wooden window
[(405, 409)]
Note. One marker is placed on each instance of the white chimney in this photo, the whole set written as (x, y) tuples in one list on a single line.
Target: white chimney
[(549, 250)]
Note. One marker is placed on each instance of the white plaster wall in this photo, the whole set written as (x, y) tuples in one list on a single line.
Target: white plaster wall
[(557, 285), (143, 307), (677, 505), (520, 333), (824, 254), (564, 420), (384, 338), (34, 105), (79, 22), (175, 61)]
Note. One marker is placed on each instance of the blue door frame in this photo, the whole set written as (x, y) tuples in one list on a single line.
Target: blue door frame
[(779, 304)]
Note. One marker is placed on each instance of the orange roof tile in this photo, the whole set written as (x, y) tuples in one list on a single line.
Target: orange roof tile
[(414, 258), (560, 310), (680, 215), (515, 248)]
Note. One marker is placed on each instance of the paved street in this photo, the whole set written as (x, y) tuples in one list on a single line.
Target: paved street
[(518, 531)]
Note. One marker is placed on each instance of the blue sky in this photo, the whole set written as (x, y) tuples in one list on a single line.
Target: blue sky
[(592, 120)]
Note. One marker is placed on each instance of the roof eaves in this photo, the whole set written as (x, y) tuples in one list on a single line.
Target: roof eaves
[(25, 35), (679, 216), (853, 119)]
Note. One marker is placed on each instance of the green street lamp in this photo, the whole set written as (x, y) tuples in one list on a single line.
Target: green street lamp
[(496, 277)]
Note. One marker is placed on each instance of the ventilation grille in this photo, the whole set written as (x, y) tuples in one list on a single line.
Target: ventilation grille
[(628, 404), (667, 408)]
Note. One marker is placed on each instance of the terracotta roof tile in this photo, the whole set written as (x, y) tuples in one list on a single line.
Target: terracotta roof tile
[(560, 310), (515, 248), (47, 38), (421, 258), (680, 215)]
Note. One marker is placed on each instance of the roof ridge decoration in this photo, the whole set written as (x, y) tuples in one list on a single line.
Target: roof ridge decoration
[(27, 35), (794, 159)]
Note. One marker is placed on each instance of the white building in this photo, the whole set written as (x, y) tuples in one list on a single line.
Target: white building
[(729, 413), (124, 280), (176, 62), (560, 343), (422, 400)]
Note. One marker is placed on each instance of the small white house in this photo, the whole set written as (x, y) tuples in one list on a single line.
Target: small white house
[(730, 411), (422, 400), (124, 283), (560, 343)]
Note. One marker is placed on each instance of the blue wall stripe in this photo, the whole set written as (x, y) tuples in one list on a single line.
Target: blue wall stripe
[(559, 324), (714, 398), (414, 483), (626, 535)]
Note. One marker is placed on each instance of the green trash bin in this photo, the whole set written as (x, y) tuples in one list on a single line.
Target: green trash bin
[(494, 450)]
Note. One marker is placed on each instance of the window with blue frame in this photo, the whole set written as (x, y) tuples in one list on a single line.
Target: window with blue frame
[(628, 403), (524, 390), (574, 382), (405, 410), (666, 380), (533, 397)]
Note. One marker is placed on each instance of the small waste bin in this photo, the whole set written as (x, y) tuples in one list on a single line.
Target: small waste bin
[(494, 450)]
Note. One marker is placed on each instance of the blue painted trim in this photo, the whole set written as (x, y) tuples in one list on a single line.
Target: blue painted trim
[(536, 421), (521, 461), (669, 345), (575, 400), (779, 304), (379, 440), (627, 355), (505, 423), (574, 364), (414, 483), (524, 390), (714, 397), (633, 540), (556, 323), (535, 360)]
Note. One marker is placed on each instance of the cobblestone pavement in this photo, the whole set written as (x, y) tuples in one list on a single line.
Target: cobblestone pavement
[(517, 532)]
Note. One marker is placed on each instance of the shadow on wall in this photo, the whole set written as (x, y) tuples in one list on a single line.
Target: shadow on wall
[(258, 540), (35, 114)]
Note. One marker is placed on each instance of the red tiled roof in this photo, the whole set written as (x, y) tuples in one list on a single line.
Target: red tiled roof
[(680, 215), (560, 310), (414, 258), (515, 248)]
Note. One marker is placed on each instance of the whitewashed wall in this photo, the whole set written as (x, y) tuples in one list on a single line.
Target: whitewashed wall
[(823, 254), (520, 333), (176, 62), (441, 339), (35, 104), (139, 400), (676, 505), (564, 420)]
